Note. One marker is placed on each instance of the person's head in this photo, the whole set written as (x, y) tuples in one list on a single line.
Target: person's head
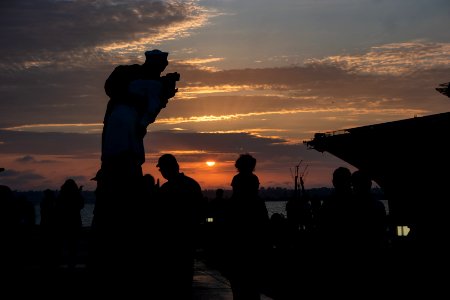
[(245, 163), (48, 193), (168, 166), (148, 179), (6, 193), (156, 60), (342, 178), (69, 186)]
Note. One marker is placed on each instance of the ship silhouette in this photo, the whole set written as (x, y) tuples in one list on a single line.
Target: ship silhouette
[(409, 159)]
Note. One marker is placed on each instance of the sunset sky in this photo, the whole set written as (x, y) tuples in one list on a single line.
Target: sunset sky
[(257, 76)]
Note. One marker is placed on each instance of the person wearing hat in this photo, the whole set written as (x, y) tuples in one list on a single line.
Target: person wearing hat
[(182, 199)]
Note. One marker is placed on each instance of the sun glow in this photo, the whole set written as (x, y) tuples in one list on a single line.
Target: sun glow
[(210, 163)]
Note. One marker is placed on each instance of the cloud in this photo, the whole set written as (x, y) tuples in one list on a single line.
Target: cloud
[(48, 143), (79, 32), (28, 178), (72, 96), (266, 111), (393, 59), (76, 146), (201, 63), (26, 159), (31, 159), (237, 99), (77, 155)]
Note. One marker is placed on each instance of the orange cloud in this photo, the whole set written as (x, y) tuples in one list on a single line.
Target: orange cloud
[(394, 58)]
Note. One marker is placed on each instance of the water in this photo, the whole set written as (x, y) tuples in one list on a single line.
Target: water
[(86, 212)]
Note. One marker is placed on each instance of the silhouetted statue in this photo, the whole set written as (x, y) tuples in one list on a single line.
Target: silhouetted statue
[(137, 94), (181, 204), (130, 110), (247, 240)]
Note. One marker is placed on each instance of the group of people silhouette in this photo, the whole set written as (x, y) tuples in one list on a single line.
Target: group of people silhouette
[(256, 253), (141, 230)]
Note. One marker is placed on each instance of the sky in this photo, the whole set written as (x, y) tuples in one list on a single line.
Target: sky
[(257, 76)]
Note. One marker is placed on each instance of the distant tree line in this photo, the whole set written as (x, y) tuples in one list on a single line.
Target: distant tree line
[(268, 194)]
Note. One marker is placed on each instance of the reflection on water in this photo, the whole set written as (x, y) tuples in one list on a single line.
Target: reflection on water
[(86, 212)]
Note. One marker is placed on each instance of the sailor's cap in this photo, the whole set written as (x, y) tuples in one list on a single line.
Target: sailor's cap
[(154, 55)]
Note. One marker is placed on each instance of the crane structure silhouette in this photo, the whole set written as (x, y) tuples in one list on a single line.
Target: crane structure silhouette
[(299, 178)]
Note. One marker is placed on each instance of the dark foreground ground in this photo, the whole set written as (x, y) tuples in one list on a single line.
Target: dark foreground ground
[(24, 276), (297, 273)]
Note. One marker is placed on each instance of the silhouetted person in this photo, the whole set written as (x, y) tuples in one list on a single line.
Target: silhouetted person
[(26, 217), (145, 226), (370, 229), (370, 214), (335, 227), (146, 205), (219, 193), (48, 228), (69, 204), (8, 229), (279, 232), (27, 213), (217, 207), (149, 185), (214, 229), (181, 203), (14, 251), (248, 232), (282, 268), (47, 208)]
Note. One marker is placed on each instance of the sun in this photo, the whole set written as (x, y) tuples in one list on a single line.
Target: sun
[(210, 163)]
